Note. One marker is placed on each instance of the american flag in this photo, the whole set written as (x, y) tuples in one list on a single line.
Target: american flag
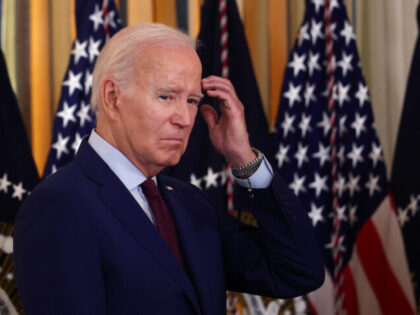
[(96, 21), (330, 156)]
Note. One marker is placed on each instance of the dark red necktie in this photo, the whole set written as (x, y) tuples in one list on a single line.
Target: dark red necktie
[(164, 222)]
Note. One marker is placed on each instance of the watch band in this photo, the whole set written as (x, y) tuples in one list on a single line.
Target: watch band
[(247, 170)]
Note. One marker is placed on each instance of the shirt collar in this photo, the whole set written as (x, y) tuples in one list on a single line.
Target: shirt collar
[(126, 171)]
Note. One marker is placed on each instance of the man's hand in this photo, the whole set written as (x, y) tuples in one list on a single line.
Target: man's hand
[(228, 132)]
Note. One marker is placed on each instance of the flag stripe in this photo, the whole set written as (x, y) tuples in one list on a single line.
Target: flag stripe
[(379, 273), (386, 223), (322, 300), (349, 286), (367, 301)]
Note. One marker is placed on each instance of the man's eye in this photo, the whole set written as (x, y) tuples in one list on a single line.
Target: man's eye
[(193, 101), (164, 97)]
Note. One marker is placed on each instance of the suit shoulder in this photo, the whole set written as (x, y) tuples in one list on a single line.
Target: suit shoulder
[(182, 185)]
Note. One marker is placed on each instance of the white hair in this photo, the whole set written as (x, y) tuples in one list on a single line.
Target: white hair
[(120, 54)]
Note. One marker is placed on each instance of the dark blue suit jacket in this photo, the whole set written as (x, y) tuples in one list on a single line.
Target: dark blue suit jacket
[(84, 246)]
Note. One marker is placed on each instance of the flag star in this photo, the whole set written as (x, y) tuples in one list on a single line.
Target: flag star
[(325, 123), (319, 184), (93, 48), (323, 154), (334, 4), (318, 4), (342, 92), (316, 214), (287, 124), (359, 124), (313, 63), (83, 113), (281, 155), (413, 205), (109, 19), (67, 113), (356, 154), (4, 183), (375, 154), (298, 63), (342, 125), (341, 213), (352, 215), (362, 94), (403, 216), (76, 143), (211, 178), (53, 169), (347, 32), (316, 30), (336, 243), (61, 145), (96, 17), (340, 155), (340, 185), (345, 63), (224, 175), (195, 181), (297, 184), (73, 82), (331, 30), (292, 94), (79, 50), (303, 34), (372, 184), (18, 191), (300, 155), (309, 94), (88, 81), (353, 184), (304, 124)]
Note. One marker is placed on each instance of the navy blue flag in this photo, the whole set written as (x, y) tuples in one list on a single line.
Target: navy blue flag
[(18, 176), (201, 164), (330, 156), (405, 179), (96, 21)]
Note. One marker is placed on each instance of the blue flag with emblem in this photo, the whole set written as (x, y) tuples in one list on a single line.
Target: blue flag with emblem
[(405, 179), (18, 176), (96, 22), (330, 156)]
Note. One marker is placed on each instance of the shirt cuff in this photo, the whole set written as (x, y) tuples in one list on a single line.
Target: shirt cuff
[(260, 179)]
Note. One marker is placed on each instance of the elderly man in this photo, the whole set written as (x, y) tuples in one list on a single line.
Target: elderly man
[(108, 235)]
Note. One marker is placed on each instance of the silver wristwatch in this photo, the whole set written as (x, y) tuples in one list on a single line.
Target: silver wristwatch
[(247, 170)]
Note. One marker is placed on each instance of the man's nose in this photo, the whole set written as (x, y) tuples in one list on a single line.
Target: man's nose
[(184, 114)]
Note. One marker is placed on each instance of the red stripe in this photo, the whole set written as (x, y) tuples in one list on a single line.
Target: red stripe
[(390, 296), (312, 307), (349, 287)]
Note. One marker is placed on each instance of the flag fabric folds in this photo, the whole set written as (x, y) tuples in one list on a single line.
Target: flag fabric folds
[(201, 164), (328, 152), (96, 22), (405, 181), (18, 176)]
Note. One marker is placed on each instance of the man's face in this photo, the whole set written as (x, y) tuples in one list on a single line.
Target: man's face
[(156, 118)]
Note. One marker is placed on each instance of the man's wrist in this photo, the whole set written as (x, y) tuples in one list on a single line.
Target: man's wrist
[(247, 170)]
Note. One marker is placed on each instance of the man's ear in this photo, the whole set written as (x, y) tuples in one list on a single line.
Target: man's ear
[(110, 95)]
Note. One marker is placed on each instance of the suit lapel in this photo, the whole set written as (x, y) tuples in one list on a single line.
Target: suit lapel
[(177, 203), (125, 208)]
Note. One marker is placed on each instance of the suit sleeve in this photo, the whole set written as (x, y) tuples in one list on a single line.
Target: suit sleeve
[(279, 258), (57, 267)]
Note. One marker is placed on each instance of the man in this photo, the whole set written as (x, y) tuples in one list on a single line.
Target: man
[(97, 237)]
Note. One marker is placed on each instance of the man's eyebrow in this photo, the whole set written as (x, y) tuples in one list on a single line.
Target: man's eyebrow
[(198, 95)]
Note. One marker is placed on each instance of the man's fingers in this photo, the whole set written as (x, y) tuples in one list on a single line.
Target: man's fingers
[(209, 115)]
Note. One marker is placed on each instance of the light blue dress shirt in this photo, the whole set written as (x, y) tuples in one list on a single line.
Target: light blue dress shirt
[(132, 177)]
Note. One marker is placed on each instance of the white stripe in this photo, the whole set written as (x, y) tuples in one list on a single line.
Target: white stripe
[(386, 224), (366, 298), (322, 299)]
